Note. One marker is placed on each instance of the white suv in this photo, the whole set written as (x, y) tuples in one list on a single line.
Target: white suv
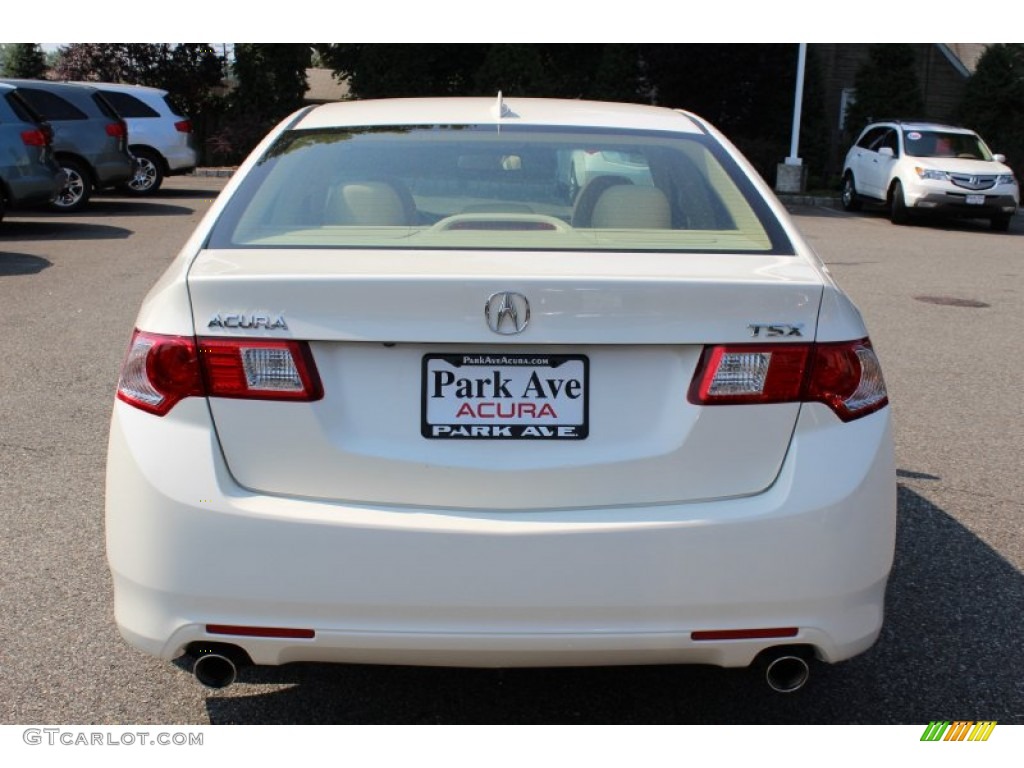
[(927, 167), (159, 136)]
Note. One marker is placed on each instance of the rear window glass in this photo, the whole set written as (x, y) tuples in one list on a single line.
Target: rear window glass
[(51, 106), (174, 106), (21, 108), (104, 107), (129, 106), (485, 187)]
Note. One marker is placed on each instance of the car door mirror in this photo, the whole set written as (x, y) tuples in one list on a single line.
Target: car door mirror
[(886, 152), (999, 158)]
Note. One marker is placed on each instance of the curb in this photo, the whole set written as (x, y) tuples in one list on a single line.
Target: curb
[(813, 201), (216, 172)]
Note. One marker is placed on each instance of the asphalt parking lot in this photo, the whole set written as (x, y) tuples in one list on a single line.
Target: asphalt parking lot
[(942, 301)]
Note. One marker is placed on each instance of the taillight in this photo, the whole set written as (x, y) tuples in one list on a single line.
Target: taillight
[(118, 130), (844, 376), (750, 373), (259, 369), (848, 379), (183, 126), (160, 370), (34, 138)]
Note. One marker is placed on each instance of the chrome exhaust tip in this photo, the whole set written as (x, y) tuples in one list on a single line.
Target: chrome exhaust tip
[(787, 673), (215, 670)]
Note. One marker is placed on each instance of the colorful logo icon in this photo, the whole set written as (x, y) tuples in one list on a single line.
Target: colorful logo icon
[(958, 730)]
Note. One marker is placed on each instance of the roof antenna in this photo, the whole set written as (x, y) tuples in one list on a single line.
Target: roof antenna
[(501, 109)]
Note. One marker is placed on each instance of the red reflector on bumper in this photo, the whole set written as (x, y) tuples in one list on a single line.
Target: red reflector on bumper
[(231, 629), (744, 634)]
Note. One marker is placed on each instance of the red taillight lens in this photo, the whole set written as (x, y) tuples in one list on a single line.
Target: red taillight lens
[(34, 138), (117, 130), (848, 379), (287, 632), (183, 126), (745, 634), (844, 376), (160, 370)]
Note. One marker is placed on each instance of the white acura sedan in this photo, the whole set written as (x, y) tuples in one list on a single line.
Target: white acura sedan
[(407, 396)]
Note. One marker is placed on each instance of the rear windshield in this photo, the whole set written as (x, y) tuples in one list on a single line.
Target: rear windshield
[(22, 108), (485, 188), (51, 106), (173, 105), (129, 106), (105, 107)]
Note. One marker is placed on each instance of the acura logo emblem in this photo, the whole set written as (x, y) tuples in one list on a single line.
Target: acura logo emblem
[(507, 313)]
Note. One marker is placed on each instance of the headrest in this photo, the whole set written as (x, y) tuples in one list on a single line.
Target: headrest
[(632, 207), (367, 204)]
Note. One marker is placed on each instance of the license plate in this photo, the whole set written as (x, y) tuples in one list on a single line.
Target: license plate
[(975, 199), (506, 396)]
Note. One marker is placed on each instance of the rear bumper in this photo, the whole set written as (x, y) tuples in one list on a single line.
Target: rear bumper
[(188, 547), (34, 188), (180, 160), (113, 169)]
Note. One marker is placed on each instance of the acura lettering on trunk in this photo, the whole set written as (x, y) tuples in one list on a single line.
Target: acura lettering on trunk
[(560, 383)]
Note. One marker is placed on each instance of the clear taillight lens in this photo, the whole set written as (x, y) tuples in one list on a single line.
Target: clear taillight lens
[(750, 373), (845, 376), (265, 370), (160, 370)]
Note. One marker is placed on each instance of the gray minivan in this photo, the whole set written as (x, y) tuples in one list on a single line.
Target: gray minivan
[(29, 174), (90, 140)]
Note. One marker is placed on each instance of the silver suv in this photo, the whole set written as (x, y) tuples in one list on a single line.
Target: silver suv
[(159, 135), (28, 173), (90, 140), (929, 168)]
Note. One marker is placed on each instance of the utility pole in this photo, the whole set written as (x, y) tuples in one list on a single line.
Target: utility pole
[(791, 174)]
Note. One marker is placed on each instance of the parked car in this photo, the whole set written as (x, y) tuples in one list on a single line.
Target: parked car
[(916, 167), (29, 175), (160, 135), (398, 400), (90, 140), (586, 164)]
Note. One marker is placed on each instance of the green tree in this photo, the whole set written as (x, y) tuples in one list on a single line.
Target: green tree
[(271, 78), (24, 60), (270, 84), (390, 70), (886, 85), (608, 71), (993, 102), (515, 70), (619, 75)]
